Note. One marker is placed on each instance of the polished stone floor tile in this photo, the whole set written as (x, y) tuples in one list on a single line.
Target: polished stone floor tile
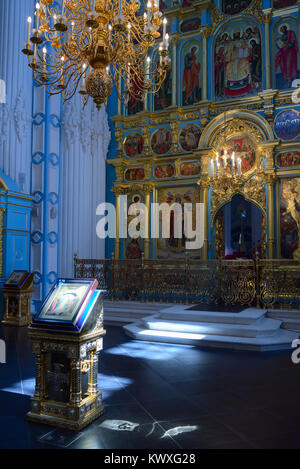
[(159, 396)]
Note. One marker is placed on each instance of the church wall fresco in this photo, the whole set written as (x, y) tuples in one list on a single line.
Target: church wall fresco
[(287, 124), (190, 169), (134, 145), (289, 190), (189, 137), (134, 174), (174, 248), (164, 171), (163, 99), (190, 25), (286, 52), (234, 7), (288, 159), (191, 73), (280, 4), (161, 141), (237, 60)]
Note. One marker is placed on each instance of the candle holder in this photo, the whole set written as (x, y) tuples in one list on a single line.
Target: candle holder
[(60, 25), (36, 39), (27, 50), (92, 21)]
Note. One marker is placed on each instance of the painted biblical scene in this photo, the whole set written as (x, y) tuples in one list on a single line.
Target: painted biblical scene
[(165, 4), (65, 301), (190, 169), (192, 24), (279, 4), (161, 141), (290, 218), (286, 53), (174, 247), (134, 247), (163, 98), (287, 125), (234, 7), (135, 103), (134, 174), (189, 137), (134, 145), (288, 159), (191, 76), (186, 3), (244, 149), (238, 61), (164, 171)]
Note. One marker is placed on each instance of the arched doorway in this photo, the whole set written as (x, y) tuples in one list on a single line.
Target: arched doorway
[(239, 227)]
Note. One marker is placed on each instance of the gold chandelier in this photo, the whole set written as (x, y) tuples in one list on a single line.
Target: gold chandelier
[(95, 44), (225, 166)]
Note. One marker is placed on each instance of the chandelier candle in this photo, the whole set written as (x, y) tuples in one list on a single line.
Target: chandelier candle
[(98, 34)]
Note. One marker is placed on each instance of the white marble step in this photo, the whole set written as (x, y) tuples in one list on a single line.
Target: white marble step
[(259, 328), (290, 318), (135, 305), (182, 313), (282, 340), (124, 312)]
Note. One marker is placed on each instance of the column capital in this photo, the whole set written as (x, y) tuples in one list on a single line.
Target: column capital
[(270, 178), (205, 31), (117, 190), (268, 15), (204, 183)]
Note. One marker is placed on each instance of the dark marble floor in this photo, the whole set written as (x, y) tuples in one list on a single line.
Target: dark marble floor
[(164, 396)]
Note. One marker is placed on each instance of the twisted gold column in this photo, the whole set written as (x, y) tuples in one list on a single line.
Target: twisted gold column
[(147, 191), (270, 180), (267, 19), (205, 32)]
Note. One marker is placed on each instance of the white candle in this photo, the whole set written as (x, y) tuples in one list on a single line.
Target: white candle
[(83, 77), (129, 32), (29, 20), (37, 16), (63, 8), (128, 76), (148, 67), (240, 166), (167, 41), (44, 59), (232, 163), (149, 14), (120, 8), (35, 52), (145, 22), (73, 26), (164, 30), (93, 6)]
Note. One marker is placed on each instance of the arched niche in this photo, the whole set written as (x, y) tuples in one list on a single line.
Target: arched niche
[(232, 123)]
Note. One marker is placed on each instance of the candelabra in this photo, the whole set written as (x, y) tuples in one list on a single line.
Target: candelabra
[(90, 44), (226, 166)]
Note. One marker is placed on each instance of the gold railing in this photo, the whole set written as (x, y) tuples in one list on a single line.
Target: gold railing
[(261, 283)]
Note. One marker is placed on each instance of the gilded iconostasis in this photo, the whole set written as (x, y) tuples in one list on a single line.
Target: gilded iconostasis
[(229, 87)]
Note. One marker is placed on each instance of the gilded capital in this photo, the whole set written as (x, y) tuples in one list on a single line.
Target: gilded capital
[(205, 31), (268, 15), (270, 178)]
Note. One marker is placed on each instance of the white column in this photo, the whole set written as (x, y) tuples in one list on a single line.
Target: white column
[(85, 140), (15, 115)]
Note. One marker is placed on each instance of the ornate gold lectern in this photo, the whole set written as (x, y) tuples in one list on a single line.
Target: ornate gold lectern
[(17, 292), (67, 336)]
